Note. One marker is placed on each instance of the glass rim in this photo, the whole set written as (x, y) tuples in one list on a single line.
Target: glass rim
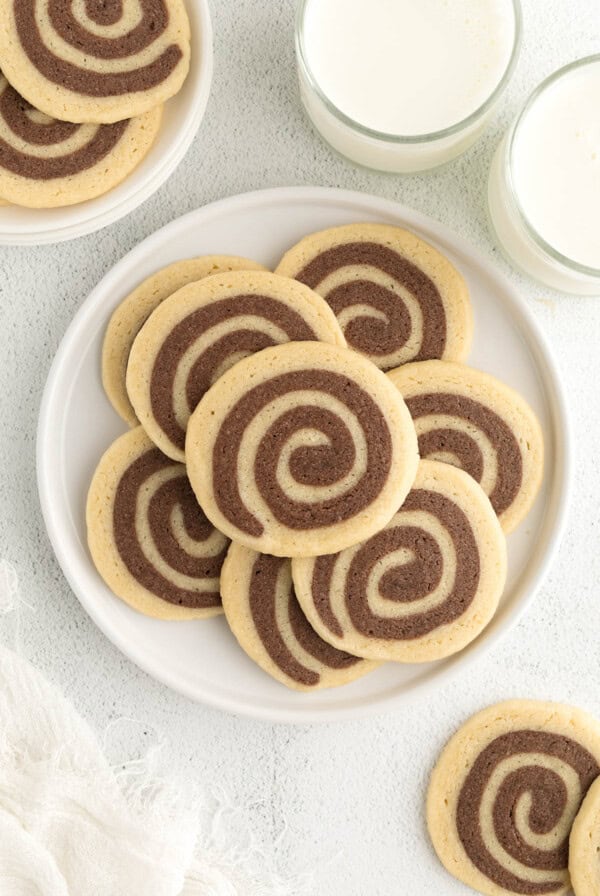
[(383, 136), (530, 229)]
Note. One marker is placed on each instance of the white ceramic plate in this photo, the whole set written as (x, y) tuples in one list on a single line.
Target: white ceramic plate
[(181, 120), (201, 658)]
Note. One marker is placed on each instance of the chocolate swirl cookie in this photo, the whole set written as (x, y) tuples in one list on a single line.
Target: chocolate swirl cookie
[(148, 538), (129, 317), (397, 299), (202, 330), (504, 794), (584, 845), (46, 163), (472, 420), (301, 449), (265, 617), (97, 61), (422, 588)]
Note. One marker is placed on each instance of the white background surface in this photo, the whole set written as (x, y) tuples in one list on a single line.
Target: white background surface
[(344, 801)]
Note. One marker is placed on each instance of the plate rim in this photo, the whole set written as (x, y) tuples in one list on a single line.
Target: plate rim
[(164, 169), (559, 499)]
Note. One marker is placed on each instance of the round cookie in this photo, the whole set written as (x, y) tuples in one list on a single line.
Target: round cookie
[(134, 310), (46, 163), (505, 791), (397, 299), (301, 449), (584, 845), (265, 617), (99, 62), (472, 420), (148, 537), (202, 330), (422, 588)]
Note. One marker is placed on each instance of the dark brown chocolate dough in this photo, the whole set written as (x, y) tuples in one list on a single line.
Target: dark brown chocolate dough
[(176, 492)]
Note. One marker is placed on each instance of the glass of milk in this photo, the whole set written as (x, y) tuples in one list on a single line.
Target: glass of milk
[(544, 188), (404, 85)]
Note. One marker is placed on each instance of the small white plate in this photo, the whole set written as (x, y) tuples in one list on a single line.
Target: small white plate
[(182, 117), (201, 659)]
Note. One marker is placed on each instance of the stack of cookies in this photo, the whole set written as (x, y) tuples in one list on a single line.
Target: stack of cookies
[(82, 88), (310, 454)]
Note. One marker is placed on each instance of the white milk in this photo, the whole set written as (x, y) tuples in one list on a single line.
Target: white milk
[(403, 68), (554, 169)]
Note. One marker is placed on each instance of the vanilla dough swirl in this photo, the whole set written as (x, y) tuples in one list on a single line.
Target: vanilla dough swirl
[(95, 60)]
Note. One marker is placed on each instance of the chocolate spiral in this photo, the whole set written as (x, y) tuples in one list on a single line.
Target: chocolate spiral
[(37, 147), (457, 429), (373, 312), (322, 454), (65, 43), (516, 807), (206, 343), (163, 537), (282, 627), (396, 586)]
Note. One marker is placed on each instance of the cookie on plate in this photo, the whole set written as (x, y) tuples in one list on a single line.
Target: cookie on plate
[(95, 62), (46, 163), (134, 310), (148, 537), (472, 420), (201, 330), (420, 589), (396, 297), (265, 617), (584, 845), (301, 449), (504, 794)]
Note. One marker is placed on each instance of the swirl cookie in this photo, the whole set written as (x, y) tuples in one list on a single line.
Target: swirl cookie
[(45, 163), (472, 420), (397, 299), (90, 61), (201, 331), (584, 845), (148, 538), (301, 449), (265, 617), (132, 313), (422, 588), (504, 794)]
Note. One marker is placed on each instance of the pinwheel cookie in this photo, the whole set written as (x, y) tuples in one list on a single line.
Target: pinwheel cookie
[(200, 331), (470, 419), (46, 163), (504, 794), (148, 538), (397, 298), (584, 845), (420, 589), (301, 449), (134, 310), (84, 61), (265, 617)]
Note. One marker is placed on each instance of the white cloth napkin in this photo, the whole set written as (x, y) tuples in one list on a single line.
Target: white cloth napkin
[(70, 827)]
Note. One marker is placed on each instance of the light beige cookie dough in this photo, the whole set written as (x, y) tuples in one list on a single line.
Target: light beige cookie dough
[(134, 310), (265, 617), (396, 297), (95, 62), (420, 589), (301, 449), (470, 419), (584, 845), (202, 330), (46, 163), (505, 791), (148, 538)]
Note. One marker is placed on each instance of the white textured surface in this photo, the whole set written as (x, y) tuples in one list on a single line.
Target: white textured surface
[(347, 798)]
